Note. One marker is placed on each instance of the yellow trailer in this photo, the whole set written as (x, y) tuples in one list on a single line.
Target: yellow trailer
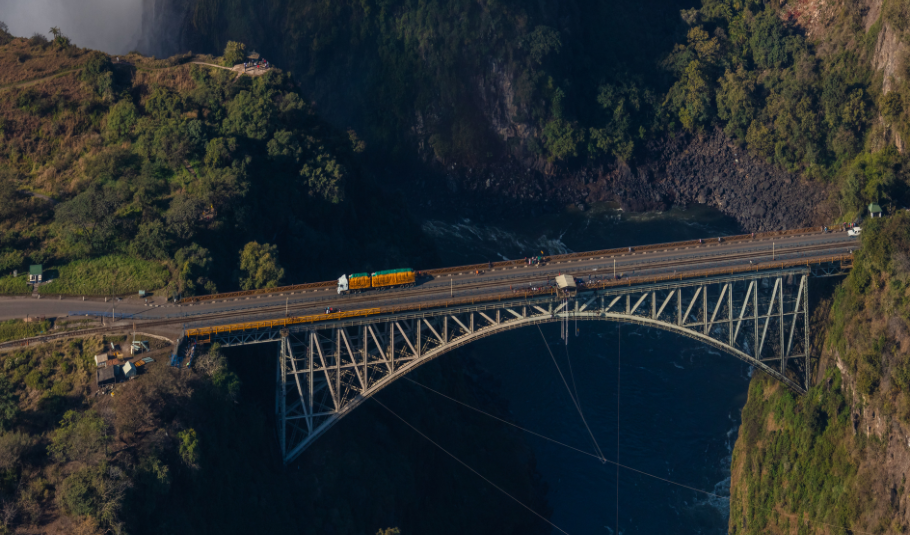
[(359, 281), (394, 277)]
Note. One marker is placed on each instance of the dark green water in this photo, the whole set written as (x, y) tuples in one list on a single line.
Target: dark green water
[(679, 403)]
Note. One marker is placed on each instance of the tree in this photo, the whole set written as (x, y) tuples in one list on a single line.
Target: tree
[(250, 115), (735, 101), (60, 40), (152, 241), (561, 139), (12, 445), (259, 266), (90, 217), (121, 120), (80, 437), (98, 73), (183, 214), (5, 36), (189, 447), (541, 41), (9, 196), (234, 53), (9, 403), (621, 103), (193, 264)]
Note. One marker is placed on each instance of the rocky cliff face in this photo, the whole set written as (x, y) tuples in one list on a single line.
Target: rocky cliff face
[(682, 170)]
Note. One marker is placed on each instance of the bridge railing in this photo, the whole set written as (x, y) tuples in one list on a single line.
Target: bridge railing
[(511, 263), (509, 296)]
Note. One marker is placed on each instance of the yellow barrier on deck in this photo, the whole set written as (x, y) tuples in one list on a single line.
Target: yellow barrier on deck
[(283, 322)]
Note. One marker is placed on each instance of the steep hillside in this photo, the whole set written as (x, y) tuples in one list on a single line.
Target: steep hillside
[(839, 456), (193, 451), (135, 173), (180, 164), (579, 92)]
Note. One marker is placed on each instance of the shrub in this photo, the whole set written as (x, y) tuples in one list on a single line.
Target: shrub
[(81, 436), (79, 494), (121, 120), (259, 266), (234, 53), (189, 447)]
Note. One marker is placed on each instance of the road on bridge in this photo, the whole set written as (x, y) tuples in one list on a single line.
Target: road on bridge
[(630, 265)]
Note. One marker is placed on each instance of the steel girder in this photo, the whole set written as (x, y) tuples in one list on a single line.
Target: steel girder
[(327, 370)]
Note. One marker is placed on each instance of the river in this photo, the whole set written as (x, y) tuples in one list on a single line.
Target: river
[(679, 404)]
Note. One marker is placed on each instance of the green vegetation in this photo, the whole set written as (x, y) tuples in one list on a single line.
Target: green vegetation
[(16, 329), (747, 68), (167, 167), (818, 457), (112, 274), (234, 53), (14, 285), (259, 266), (170, 448), (596, 86), (384, 66)]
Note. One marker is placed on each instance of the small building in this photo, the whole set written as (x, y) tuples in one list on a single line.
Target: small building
[(566, 282), (101, 360), (106, 376), (129, 370), (34, 273), (875, 210)]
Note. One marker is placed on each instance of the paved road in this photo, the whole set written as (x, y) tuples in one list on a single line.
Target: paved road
[(709, 255)]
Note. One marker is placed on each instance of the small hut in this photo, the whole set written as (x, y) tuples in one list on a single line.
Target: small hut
[(566, 282), (106, 376), (129, 370), (101, 360), (875, 210)]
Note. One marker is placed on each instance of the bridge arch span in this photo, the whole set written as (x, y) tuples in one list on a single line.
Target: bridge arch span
[(327, 370)]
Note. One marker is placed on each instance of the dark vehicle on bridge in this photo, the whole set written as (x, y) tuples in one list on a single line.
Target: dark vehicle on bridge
[(390, 278)]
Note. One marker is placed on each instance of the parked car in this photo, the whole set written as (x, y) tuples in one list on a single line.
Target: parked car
[(855, 231)]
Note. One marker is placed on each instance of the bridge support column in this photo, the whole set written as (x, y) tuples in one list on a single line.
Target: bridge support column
[(808, 362)]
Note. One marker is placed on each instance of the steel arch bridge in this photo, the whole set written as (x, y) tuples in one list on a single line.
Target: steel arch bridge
[(325, 370)]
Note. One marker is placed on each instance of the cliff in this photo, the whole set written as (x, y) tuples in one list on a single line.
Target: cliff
[(837, 458)]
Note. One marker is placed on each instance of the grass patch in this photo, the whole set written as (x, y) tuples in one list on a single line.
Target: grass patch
[(16, 329), (101, 276), (10, 285)]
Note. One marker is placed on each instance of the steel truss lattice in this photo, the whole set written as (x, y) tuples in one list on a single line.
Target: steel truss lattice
[(326, 370)]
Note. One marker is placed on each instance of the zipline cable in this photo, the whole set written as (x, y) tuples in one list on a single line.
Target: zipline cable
[(618, 370), (516, 426), (572, 375), (569, 390), (447, 452), (623, 466)]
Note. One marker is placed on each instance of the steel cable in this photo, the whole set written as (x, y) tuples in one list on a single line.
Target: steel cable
[(462, 463), (569, 390)]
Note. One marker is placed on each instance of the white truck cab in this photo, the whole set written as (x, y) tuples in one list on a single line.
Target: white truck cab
[(855, 231), (342, 285)]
